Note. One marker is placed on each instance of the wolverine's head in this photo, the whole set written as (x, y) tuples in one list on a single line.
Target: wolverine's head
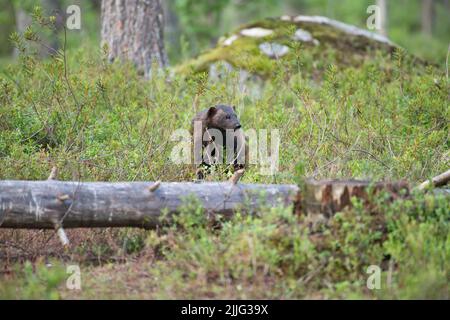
[(222, 117)]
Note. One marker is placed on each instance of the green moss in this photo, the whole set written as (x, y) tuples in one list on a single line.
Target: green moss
[(335, 47)]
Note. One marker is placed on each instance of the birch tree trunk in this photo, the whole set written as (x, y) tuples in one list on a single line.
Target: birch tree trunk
[(133, 30)]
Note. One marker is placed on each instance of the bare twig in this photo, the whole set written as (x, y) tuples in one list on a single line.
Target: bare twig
[(236, 176), (59, 229), (53, 174), (437, 181), (62, 236), (154, 186)]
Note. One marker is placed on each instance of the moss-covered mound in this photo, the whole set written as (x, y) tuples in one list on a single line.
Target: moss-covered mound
[(308, 43)]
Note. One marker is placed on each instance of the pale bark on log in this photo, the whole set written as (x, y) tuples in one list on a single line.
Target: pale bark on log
[(49, 204)]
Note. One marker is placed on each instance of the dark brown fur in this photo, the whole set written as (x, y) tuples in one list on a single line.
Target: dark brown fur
[(220, 117)]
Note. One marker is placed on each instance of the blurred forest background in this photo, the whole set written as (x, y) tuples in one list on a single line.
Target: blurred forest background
[(421, 26)]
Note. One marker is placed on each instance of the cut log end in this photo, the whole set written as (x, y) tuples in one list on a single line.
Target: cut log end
[(331, 196)]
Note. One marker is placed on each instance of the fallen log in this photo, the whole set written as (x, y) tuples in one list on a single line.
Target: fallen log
[(53, 204)]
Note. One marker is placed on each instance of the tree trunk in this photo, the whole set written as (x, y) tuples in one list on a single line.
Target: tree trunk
[(133, 30), (51, 204), (427, 16)]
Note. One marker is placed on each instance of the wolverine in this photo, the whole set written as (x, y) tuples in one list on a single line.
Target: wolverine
[(211, 128)]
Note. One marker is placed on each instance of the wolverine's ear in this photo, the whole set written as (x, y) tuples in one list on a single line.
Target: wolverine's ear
[(212, 111), (234, 108)]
